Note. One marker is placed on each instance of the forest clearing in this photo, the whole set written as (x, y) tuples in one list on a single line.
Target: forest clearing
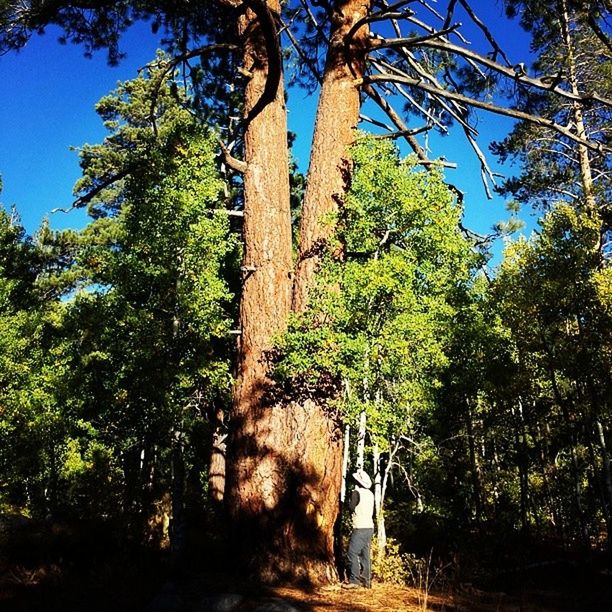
[(248, 381)]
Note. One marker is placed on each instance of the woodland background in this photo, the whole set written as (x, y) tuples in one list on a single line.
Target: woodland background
[(190, 377)]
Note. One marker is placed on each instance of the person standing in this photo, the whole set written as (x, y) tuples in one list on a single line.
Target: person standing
[(362, 507)]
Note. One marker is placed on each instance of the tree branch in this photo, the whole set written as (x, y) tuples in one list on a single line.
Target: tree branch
[(511, 73), (267, 23), (90, 195), (307, 61), (508, 112), (497, 49), (233, 163)]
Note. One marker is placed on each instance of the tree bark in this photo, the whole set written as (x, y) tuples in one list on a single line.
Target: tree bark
[(254, 474), (337, 118), (284, 472), (217, 464), (381, 532)]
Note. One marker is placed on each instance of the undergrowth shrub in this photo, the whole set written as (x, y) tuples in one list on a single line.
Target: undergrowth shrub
[(390, 566)]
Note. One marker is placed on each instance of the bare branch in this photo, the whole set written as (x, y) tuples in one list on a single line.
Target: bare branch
[(303, 56), (564, 192), (389, 12), (485, 170), (397, 121), (449, 13), (413, 41), (233, 163), (430, 29), (508, 112), (558, 153), (497, 49), (455, 111), (308, 10), (511, 73), (431, 10), (375, 122), (404, 131)]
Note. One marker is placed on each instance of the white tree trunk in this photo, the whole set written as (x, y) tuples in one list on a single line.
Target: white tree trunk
[(381, 534), (361, 441), (345, 461)]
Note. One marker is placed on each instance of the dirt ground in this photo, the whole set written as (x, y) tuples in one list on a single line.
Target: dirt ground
[(576, 596), (81, 571), (206, 592)]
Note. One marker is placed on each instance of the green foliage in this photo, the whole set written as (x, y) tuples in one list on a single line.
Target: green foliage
[(390, 566), (552, 284), (381, 318), (558, 333), (121, 365)]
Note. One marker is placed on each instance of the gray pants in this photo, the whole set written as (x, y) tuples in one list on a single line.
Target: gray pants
[(359, 556)]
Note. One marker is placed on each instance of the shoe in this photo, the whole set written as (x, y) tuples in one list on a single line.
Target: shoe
[(351, 585)]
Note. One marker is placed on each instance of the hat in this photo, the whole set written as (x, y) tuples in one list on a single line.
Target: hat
[(362, 477)]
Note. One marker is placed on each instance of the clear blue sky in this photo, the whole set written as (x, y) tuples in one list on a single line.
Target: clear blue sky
[(48, 107)]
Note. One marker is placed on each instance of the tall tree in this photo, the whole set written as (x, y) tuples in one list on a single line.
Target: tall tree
[(282, 493), (571, 49)]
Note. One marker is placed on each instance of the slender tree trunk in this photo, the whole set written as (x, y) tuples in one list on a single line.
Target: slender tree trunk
[(345, 461), (217, 464), (586, 174), (474, 466), (381, 532), (361, 436)]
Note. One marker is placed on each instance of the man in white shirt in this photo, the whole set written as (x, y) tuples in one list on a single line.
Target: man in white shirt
[(362, 506)]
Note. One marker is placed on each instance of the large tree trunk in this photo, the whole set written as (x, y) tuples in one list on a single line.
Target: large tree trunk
[(283, 476), (255, 471), (285, 468)]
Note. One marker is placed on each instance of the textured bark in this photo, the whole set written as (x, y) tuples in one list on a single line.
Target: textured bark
[(252, 477), (337, 117), (283, 475), (285, 469), (217, 466)]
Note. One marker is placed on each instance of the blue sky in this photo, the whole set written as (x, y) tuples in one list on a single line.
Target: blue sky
[(50, 91)]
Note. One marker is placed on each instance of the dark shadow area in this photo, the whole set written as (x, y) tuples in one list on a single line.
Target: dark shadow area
[(87, 565)]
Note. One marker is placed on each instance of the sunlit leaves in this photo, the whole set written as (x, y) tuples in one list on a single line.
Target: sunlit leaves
[(379, 319)]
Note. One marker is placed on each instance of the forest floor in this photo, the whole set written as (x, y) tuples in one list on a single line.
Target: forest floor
[(41, 589), (84, 570)]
